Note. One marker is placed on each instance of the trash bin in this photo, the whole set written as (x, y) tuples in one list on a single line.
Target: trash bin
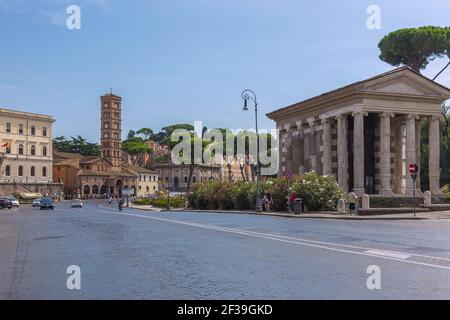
[(298, 206)]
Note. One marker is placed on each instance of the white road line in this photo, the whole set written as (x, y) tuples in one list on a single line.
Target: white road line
[(341, 245), (389, 254), (271, 237)]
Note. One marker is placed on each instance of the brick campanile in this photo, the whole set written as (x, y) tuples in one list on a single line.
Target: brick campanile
[(111, 129)]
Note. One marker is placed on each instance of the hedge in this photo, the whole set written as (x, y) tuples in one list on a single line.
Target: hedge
[(317, 193)]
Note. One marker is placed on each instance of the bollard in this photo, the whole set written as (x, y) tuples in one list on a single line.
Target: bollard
[(365, 202), (341, 206), (427, 200)]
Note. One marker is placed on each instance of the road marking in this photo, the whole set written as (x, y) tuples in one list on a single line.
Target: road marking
[(341, 245), (398, 253), (279, 239), (389, 254)]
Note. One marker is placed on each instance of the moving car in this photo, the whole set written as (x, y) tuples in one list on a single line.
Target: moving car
[(5, 203), (36, 203), (77, 203), (47, 203), (14, 202)]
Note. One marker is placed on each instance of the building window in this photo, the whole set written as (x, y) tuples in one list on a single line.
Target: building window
[(44, 151), (193, 179), (8, 149), (20, 128), (8, 171), (33, 130), (145, 178), (8, 127), (44, 131), (44, 171), (21, 149), (33, 150), (20, 171), (33, 171)]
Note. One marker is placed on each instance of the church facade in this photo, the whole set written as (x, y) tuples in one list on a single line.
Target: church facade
[(105, 175), (366, 134)]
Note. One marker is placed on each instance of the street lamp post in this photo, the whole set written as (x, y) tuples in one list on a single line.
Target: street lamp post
[(246, 96)]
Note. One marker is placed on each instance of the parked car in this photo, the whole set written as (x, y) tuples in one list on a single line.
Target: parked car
[(77, 203), (5, 203), (36, 203), (47, 203), (14, 202)]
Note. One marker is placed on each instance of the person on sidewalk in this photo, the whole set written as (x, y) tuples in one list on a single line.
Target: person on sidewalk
[(352, 200), (291, 201), (268, 202)]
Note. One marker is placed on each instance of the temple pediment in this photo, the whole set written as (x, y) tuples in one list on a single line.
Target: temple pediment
[(405, 82)]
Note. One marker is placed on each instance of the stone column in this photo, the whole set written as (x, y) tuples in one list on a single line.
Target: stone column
[(418, 151), (398, 169), (306, 150), (358, 152), (410, 149), (342, 151), (385, 153), (301, 168), (434, 156), (312, 144), (281, 151), (327, 158)]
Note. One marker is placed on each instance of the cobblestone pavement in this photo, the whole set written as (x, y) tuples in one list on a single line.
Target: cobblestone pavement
[(180, 255)]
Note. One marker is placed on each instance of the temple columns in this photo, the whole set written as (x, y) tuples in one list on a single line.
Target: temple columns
[(385, 153), (410, 150), (358, 152), (434, 155), (327, 158), (342, 144)]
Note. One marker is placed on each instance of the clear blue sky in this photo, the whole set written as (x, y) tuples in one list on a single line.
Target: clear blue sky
[(185, 60)]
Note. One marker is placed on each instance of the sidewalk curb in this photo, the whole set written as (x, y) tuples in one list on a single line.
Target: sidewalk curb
[(357, 218)]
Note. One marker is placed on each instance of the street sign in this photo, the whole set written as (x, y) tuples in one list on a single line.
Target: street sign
[(413, 169)]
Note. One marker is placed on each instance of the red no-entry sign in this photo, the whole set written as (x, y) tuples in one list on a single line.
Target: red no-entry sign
[(413, 169)]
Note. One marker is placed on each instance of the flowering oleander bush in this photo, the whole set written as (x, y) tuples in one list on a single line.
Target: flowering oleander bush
[(317, 193)]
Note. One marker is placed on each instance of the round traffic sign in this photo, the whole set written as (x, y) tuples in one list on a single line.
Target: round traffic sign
[(413, 168)]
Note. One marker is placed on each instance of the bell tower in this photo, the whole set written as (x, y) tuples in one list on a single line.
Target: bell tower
[(111, 129)]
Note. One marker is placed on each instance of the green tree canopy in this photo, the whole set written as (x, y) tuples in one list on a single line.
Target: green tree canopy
[(135, 147), (76, 144), (415, 47), (145, 133)]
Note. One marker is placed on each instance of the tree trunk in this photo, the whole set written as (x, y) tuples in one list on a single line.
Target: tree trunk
[(188, 188), (241, 167)]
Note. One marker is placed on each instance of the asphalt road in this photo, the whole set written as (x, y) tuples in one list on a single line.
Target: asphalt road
[(144, 255)]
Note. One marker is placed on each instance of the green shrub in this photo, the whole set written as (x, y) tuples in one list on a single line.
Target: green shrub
[(244, 195), (318, 192), (175, 202), (224, 195), (142, 202)]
